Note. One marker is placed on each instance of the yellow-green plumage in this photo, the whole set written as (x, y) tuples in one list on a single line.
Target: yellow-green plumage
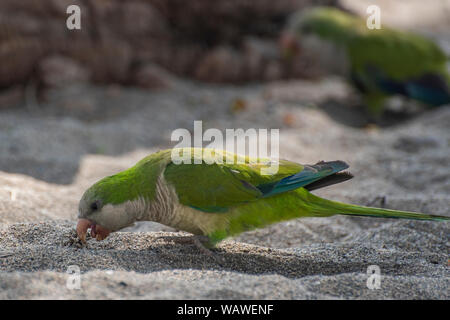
[(222, 200), (300, 204)]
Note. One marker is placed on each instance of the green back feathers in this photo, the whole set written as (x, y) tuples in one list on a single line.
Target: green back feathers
[(217, 187), (399, 54)]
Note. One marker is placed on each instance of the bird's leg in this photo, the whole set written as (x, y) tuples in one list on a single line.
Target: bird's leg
[(381, 199), (201, 242), (204, 245)]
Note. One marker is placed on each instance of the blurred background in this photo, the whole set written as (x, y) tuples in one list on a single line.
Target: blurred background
[(139, 69), (148, 44), (77, 105)]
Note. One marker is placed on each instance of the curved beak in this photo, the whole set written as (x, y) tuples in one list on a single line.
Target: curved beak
[(97, 231)]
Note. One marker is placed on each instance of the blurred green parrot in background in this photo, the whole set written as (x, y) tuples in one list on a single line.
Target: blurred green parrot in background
[(378, 62)]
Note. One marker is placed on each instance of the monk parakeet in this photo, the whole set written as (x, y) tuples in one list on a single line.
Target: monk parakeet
[(216, 200), (378, 62)]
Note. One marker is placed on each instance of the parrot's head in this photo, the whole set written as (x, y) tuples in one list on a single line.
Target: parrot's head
[(317, 36), (104, 208)]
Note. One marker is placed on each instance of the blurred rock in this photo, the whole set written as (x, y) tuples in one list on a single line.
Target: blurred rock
[(18, 59), (228, 21), (261, 59), (219, 65), (57, 70), (11, 97), (152, 76), (415, 144), (141, 19), (217, 41)]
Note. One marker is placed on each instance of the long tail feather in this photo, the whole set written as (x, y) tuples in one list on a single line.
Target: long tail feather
[(324, 207)]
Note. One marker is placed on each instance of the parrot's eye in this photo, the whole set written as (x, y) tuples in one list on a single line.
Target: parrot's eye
[(95, 205)]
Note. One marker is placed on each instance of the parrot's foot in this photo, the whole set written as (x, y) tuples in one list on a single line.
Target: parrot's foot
[(200, 242), (380, 199)]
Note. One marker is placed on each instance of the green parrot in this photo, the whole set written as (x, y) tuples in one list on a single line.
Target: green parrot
[(216, 200), (378, 62)]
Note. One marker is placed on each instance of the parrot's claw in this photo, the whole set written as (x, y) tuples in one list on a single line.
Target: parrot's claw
[(201, 242), (198, 243)]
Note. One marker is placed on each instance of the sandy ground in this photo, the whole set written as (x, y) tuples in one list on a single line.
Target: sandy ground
[(50, 153)]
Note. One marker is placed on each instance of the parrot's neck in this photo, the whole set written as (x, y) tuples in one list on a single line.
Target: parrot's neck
[(161, 208)]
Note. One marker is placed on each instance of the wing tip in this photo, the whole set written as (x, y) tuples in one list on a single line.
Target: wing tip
[(335, 178), (336, 165)]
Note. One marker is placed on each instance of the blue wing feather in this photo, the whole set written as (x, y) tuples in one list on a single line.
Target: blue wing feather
[(430, 88), (303, 178)]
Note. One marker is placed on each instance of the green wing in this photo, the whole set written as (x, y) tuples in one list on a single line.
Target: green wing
[(399, 55), (386, 62), (219, 187)]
